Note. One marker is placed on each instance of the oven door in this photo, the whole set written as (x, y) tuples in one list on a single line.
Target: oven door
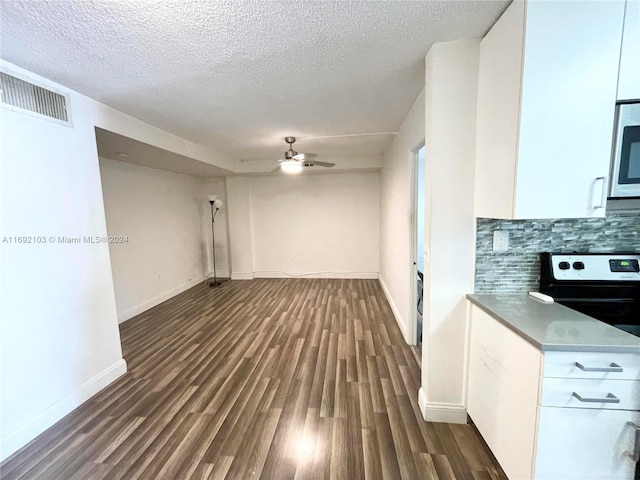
[(625, 175)]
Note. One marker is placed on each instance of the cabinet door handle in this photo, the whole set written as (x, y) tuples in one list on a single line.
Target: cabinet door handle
[(603, 194), (614, 367), (610, 398), (636, 446)]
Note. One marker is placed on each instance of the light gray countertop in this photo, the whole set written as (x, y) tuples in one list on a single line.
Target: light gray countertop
[(554, 326)]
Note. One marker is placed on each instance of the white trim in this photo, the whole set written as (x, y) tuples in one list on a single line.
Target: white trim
[(396, 313), (414, 181), (242, 276), (219, 273), (345, 275), (23, 434), (422, 401), (158, 299), (412, 326), (441, 412)]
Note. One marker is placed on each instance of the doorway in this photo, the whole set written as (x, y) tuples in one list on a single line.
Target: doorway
[(418, 244)]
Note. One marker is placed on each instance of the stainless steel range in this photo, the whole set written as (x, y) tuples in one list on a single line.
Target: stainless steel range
[(603, 286)]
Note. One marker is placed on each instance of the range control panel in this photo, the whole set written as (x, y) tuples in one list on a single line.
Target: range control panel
[(596, 267)]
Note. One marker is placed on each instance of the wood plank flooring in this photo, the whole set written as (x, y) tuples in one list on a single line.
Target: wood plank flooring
[(270, 378)]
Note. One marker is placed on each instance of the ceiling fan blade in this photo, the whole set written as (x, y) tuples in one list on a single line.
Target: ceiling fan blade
[(304, 156), (277, 169), (319, 164)]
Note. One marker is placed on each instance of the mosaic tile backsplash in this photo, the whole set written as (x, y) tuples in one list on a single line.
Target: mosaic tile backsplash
[(518, 269)]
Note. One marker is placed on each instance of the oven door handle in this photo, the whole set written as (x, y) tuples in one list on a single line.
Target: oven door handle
[(614, 367)]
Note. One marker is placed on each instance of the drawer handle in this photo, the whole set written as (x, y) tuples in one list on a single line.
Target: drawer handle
[(610, 398), (614, 367), (636, 449)]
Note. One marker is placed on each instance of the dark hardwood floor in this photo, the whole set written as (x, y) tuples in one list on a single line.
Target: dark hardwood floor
[(270, 378)]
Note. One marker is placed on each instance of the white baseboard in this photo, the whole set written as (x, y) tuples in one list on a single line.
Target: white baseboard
[(345, 275), (241, 276), (158, 299), (219, 274), (396, 313), (441, 412), (19, 436)]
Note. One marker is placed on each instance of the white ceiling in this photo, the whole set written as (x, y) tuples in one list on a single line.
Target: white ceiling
[(239, 76)]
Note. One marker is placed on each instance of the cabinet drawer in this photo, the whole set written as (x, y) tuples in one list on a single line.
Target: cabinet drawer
[(616, 394), (595, 365)]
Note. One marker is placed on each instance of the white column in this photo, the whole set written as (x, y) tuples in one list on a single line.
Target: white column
[(451, 84)]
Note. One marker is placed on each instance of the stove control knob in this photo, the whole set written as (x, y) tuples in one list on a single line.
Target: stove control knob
[(578, 265), (564, 265)]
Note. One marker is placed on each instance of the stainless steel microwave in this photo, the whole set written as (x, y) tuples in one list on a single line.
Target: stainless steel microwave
[(625, 169)]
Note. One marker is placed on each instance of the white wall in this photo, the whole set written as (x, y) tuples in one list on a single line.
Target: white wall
[(240, 232), (311, 225), (450, 116), (59, 337), (161, 214), (315, 225), (396, 213)]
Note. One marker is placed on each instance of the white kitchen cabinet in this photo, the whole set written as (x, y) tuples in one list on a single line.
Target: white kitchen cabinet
[(585, 444), (522, 401), (547, 86), (629, 77), (502, 392)]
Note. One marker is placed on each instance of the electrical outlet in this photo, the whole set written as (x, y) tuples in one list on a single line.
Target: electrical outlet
[(500, 240)]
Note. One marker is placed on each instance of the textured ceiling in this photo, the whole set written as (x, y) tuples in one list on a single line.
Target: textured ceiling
[(239, 76)]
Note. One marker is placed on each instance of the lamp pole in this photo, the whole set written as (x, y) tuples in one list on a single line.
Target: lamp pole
[(214, 203)]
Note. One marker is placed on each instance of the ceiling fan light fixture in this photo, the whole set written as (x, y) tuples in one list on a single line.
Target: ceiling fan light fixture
[(291, 166)]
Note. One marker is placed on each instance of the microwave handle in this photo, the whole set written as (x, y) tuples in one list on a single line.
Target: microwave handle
[(603, 194)]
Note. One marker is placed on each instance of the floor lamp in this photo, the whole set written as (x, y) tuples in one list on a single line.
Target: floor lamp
[(216, 204)]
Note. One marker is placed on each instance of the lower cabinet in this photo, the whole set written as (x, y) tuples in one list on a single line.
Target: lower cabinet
[(585, 443), (502, 398), (541, 415)]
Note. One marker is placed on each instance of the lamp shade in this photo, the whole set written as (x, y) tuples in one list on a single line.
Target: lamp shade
[(212, 198), (218, 203), (291, 166)]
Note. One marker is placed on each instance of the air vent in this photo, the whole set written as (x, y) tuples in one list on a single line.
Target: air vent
[(23, 95)]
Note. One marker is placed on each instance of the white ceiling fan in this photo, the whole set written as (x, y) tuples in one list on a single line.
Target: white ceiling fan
[(294, 162)]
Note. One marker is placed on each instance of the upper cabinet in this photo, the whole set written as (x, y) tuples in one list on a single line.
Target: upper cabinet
[(629, 79), (546, 101)]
